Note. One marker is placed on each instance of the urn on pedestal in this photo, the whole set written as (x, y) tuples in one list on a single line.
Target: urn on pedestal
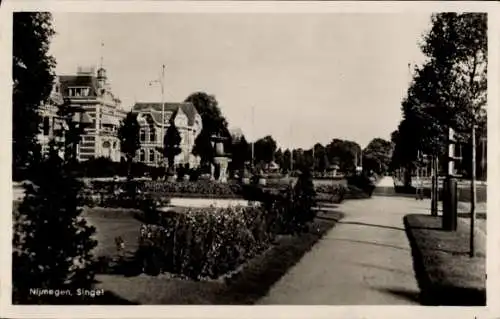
[(221, 160)]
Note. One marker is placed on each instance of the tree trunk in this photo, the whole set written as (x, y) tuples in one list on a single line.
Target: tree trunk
[(129, 168), (407, 176)]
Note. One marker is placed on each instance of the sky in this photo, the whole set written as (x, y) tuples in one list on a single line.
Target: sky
[(309, 77)]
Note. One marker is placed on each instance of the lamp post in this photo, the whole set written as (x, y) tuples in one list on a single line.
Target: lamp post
[(162, 101), (253, 133), (473, 192), (161, 82)]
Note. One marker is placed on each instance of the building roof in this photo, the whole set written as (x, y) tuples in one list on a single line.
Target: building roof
[(78, 81), (172, 108)]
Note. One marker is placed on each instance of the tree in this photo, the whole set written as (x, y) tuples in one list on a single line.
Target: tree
[(320, 159), (449, 90), (308, 159), (52, 245), (305, 198), (213, 122), (33, 80), (240, 154), (278, 157), (264, 149), (171, 145), (285, 166), (128, 133), (298, 159), (377, 155), (344, 153)]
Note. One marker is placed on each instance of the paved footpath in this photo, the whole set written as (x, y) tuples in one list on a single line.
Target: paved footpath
[(364, 260)]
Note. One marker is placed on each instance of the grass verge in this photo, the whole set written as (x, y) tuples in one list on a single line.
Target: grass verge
[(445, 273)]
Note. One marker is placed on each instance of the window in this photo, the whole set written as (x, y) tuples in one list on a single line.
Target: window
[(46, 126), (152, 135), (151, 155), (142, 156), (142, 135)]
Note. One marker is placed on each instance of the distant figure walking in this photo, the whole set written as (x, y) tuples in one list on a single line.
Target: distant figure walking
[(419, 187)]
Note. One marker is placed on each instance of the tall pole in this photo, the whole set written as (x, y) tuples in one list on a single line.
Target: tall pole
[(314, 161), (291, 150), (483, 158), (162, 84), (434, 187), (253, 133), (473, 193)]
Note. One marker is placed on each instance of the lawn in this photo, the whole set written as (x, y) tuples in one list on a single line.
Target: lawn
[(445, 272), (244, 286), (111, 223)]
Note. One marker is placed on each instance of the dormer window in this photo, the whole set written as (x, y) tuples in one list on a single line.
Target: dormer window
[(79, 91)]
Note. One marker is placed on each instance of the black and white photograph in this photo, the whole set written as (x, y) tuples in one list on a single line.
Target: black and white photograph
[(249, 158)]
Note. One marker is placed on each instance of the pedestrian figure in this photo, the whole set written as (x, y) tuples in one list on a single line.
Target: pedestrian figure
[(419, 187)]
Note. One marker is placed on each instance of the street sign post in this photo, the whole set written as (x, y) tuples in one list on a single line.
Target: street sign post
[(449, 221)]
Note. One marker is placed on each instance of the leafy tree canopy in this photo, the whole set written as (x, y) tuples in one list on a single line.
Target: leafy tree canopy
[(449, 90), (33, 77), (213, 122)]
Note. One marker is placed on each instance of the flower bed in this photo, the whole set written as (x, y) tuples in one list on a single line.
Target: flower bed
[(187, 187), (209, 242), (178, 188), (204, 243)]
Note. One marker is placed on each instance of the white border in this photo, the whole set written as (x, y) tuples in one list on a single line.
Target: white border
[(493, 266)]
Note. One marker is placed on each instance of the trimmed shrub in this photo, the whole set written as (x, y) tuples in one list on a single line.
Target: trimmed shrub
[(362, 182), (305, 198)]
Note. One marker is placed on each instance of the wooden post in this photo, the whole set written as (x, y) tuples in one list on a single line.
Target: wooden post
[(473, 193), (433, 187)]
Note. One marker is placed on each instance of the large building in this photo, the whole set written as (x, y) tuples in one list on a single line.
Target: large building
[(186, 119), (91, 92)]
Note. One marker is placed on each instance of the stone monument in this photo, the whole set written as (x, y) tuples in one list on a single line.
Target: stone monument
[(221, 160)]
